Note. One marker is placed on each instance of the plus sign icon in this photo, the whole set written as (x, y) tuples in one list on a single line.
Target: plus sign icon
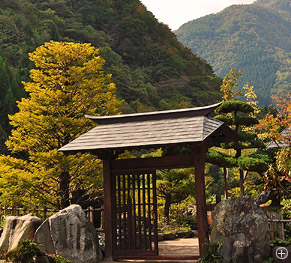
[(281, 253)]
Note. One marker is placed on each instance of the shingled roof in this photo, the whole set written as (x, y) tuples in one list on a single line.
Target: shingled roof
[(148, 130)]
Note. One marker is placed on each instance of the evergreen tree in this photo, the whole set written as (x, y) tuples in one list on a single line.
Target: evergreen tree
[(174, 186), (7, 101), (240, 116)]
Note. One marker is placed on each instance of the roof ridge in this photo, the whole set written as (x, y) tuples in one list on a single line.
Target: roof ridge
[(168, 114)]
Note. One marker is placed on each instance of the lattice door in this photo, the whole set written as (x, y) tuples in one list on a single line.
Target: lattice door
[(135, 215)]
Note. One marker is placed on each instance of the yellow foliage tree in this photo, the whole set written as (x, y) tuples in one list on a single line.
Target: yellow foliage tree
[(68, 83), (279, 174)]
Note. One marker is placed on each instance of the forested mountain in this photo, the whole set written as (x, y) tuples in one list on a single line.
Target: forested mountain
[(151, 69), (255, 38)]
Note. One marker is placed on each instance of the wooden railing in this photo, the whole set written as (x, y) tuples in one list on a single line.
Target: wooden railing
[(276, 225), (44, 213), (276, 222)]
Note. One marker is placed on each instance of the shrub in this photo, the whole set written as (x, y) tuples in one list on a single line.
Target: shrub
[(210, 253), (24, 253), (286, 209), (59, 259)]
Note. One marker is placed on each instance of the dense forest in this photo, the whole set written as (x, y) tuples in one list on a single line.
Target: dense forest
[(254, 38), (151, 69)]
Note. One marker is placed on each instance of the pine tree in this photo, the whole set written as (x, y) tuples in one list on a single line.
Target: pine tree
[(174, 186), (240, 115)]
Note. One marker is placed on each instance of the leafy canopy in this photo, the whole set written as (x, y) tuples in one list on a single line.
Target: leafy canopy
[(241, 116), (276, 126), (67, 83)]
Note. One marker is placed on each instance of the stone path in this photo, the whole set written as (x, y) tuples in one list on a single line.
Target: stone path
[(182, 246)]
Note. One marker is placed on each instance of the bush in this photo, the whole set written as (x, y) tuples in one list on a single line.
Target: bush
[(59, 259), (2, 220), (286, 209), (27, 251), (278, 242), (24, 253), (210, 253)]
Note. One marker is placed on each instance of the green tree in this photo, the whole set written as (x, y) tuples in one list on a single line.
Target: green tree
[(240, 115), (68, 83), (174, 186)]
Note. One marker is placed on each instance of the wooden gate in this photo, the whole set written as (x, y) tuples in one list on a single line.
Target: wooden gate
[(135, 215)]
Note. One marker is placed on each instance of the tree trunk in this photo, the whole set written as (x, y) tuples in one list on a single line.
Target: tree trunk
[(225, 171), (241, 175), (64, 189), (168, 201), (241, 182)]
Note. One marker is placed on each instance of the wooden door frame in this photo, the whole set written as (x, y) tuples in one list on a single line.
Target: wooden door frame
[(144, 204), (196, 159)]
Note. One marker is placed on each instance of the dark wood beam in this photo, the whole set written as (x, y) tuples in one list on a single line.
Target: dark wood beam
[(108, 208), (155, 163), (202, 223)]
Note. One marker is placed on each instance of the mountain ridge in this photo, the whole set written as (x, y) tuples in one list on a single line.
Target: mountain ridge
[(151, 69), (255, 38)]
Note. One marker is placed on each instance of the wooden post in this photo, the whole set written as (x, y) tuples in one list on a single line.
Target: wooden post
[(217, 199), (44, 215), (102, 217), (225, 172), (24, 210), (108, 213), (35, 211), (91, 214), (201, 197)]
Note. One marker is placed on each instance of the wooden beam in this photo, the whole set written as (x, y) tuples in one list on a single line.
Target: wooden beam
[(108, 208), (202, 224), (155, 163)]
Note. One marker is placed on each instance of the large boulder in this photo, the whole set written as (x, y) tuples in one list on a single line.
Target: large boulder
[(69, 234), (242, 227), (17, 228)]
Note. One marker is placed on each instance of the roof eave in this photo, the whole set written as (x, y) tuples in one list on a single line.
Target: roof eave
[(169, 114)]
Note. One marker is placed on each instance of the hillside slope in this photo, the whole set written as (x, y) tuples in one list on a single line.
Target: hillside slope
[(151, 68), (255, 38)]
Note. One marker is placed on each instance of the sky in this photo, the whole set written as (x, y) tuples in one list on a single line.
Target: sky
[(174, 13)]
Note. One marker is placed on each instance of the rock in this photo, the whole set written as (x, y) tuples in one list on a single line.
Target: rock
[(101, 237), (160, 237), (243, 228), (193, 225), (180, 234), (190, 210), (69, 234), (189, 234), (168, 236), (17, 228)]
